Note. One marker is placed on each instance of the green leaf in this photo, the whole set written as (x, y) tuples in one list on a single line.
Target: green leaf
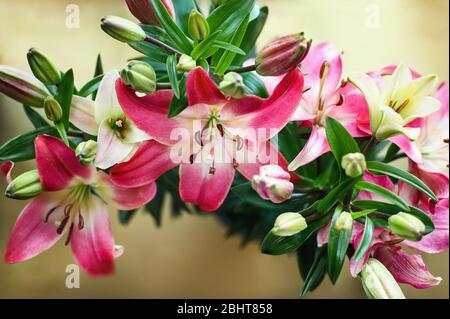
[(383, 192), (21, 148), (155, 206), (178, 105), (317, 272), (365, 240), (386, 169), (175, 33), (64, 96), (336, 194), (35, 118), (98, 71), (227, 47), (151, 51), (173, 74), (340, 141), (126, 216), (337, 247), (183, 9), (91, 87), (391, 152), (362, 213), (203, 48), (254, 85)]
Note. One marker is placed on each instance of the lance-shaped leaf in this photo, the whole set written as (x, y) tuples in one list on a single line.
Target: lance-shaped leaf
[(336, 194), (91, 86), (35, 118), (316, 273), (183, 9), (383, 192), (173, 74), (64, 96), (365, 240), (177, 105), (340, 140)]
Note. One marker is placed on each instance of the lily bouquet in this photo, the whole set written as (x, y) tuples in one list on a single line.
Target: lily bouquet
[(277, 144)]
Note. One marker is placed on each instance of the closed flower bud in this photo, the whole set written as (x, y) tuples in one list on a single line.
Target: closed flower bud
[(186, 63), (273, 183), (378, 282), (407, 226), (198, 26), (22, 87), (122, 29), (86, 151), (140, 76), (289, 224), (354, 164), (42, 68), (344, 222), (25, 186), (233, 85), (143, 10), (52, 109), (282, 55)]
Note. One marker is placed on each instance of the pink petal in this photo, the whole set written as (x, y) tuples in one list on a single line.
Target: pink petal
[(31, 235), (381, 180), (151, 160), (57, 163), (93, 245), (82, 115), (201, 89), (323, 235), (6, 168), (408, 147), (438, 183), (406, 268)]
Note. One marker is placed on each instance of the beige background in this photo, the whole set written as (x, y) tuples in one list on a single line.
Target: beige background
[(189, 257)]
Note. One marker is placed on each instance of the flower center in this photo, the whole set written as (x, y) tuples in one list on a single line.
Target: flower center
[(119, 125)]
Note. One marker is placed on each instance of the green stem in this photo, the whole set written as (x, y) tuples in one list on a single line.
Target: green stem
[(372, 142), (62, 132), (244, 69), (162, 45)]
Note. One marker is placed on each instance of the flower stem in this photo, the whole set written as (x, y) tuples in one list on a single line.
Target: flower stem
[(244, 69), (62, 132), (372, 142), (162, 45), (163, 86)]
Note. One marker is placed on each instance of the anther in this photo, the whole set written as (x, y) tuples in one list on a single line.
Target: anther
[(446, 140), (198, 138), (69, 235), (341, 100), (80, 221), (343, 83), (212, 170), (306, 89), (221, 130), (191, 159), (324, 69), (67, 209), (235, 164), (402, 106), (61, 226), (47, 216), (239, 141)]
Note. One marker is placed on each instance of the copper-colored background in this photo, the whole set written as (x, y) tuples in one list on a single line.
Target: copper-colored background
[(189, 257)]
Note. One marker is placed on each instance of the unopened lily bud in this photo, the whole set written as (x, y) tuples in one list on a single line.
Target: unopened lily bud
[(42, 68), (186, 63), (233, 85), (140, 76), (378, 282), (406, 226), (86, 151), (354, 164), (52, 109), (282, 55), (22, 87), (25, 186), (198, 26), (273, 183), (122, 29), (289, 224), (143, 10), (344, 222)]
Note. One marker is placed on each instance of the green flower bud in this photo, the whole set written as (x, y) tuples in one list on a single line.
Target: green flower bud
[(86, 152), (354, 164), (25, 186), (42, 68), (186, 63), (198, 26), (140, 76), (407, 226), (344, 222), (289, 224), (52, 109), (22, 87), (378, 282), (233, 85), (122, 29)]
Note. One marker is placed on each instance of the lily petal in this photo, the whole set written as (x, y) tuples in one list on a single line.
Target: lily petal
[(201, 89), (410, 148), (436, 181), (6, 169), (82, 115), (106, 104), (420, 108), (316, 146)]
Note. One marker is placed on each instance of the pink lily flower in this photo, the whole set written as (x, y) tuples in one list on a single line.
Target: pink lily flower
[(117, 137), (143, 10), (75, 201), (325, 96), (214, 130)]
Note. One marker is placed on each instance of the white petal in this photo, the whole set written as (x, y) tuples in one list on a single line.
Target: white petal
[(420, 108), (401, 77), (135, 135), (107, 104), (82, 115)]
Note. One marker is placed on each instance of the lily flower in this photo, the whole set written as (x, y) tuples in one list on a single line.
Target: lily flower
[(117, 137), (215, 131), (325, 96), (75, 201), (399, 101)]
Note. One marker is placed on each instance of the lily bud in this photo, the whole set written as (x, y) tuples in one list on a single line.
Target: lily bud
[(233, 85), (140, 76), (52, 109), (282, 55), (22, 87), (407, 226), (273, 183), (122, 29), (42, 68), (344, 222), (143, 10), (186, 63), (25, 186), (289, 224), (378, 282), (86, 151), (198, 26), (354, 164)]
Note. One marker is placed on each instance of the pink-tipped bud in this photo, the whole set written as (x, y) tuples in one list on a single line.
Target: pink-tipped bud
[(273, 184), (143, 10), (282, 55)]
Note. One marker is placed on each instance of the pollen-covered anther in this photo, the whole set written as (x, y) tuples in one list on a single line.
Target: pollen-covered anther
[(324, 70), (341, 100)]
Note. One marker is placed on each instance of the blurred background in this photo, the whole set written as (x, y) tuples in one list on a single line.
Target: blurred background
[(189, 257)]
